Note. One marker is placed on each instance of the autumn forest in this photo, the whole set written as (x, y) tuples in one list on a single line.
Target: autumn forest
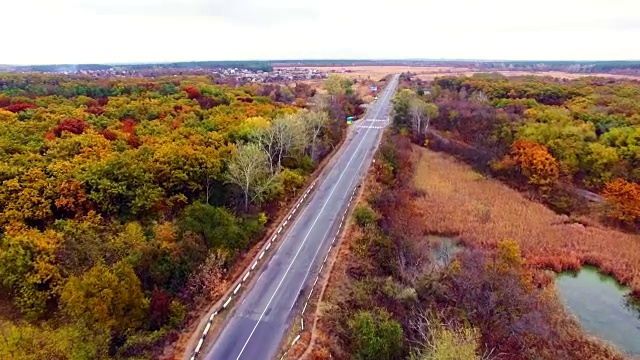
[(123, 201)]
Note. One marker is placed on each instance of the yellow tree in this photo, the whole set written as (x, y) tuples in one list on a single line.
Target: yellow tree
[(26, 198), (108, 298), (28, 267)]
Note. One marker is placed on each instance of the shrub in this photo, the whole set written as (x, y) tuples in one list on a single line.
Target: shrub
[(364, 216), (375, 336)]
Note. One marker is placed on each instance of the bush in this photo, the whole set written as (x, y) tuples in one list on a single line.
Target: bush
[(364, 216), (448, 344), (375, 336), (219, 227)]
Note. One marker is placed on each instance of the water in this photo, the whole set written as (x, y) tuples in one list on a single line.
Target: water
[(600, 305)]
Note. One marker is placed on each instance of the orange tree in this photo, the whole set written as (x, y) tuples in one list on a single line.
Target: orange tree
[(623, 198), (533, 162)]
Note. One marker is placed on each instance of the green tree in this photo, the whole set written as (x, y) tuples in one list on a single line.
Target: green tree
[(337, 85), (119, 185), (219, 227), (402, 107), (375, 336)]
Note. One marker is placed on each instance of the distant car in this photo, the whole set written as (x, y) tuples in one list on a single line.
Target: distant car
[(375, 98)]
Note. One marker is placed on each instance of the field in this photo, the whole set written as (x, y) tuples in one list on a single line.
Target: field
[(429, 73), (484, 211)]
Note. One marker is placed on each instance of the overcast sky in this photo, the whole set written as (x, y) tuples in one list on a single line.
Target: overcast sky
[(107, 31)]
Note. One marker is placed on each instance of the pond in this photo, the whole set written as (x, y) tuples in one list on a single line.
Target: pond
[(602, 309)]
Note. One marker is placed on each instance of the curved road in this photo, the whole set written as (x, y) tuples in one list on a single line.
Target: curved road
[(256, 327)]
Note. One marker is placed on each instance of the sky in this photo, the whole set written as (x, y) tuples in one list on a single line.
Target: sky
[(133, 31)]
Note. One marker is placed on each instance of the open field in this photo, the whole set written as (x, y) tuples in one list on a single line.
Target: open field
[(484, 211), (431, 72)]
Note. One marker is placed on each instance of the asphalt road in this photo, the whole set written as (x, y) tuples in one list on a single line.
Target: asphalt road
[(255, 328)]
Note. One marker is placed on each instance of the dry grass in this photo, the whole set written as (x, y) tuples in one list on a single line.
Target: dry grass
[(485, 211), (430, 72)]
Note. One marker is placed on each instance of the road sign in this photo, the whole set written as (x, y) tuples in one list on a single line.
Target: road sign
[(373, 88)]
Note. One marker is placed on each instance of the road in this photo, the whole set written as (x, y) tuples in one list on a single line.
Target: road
[(255, 328)]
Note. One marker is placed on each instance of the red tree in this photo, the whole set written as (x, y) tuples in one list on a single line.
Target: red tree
[(192, 92), (20, 107), (74, 126)]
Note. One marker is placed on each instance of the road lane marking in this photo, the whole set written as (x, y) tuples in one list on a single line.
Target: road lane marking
[(306, 237), (335, 186)]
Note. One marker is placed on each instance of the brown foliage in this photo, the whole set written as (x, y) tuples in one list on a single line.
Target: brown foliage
[(108, 134), (72, 198), (95, 110)]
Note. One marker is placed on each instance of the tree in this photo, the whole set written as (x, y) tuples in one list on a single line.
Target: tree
[(28, 268), (623, 198), (74, 342), (109, 298), (401, 107), (27, 198), (337, 85), (375, 336), (421, 114), (533, 161), (74, 126), (281, 139), (219, 227), (314, 124), (119, 185), (249, 170)]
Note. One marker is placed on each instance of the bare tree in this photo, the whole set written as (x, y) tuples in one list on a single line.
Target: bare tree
[(280, 140), (421, 114), (314, 123), (249, 169), (266, 138)]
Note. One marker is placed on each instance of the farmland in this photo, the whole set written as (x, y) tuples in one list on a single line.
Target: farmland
[(431, 72)]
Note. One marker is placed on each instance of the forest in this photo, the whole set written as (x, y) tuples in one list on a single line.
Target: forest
[(540, 133), (125, 201)]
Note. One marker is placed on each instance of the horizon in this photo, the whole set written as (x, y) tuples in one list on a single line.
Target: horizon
[(146, 31), (271, 61)]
